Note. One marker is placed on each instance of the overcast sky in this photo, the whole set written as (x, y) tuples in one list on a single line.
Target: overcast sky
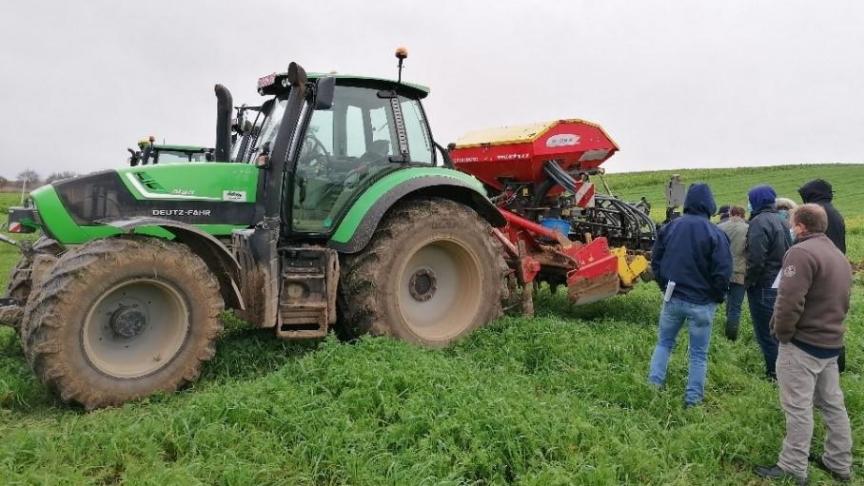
[(675, 83)]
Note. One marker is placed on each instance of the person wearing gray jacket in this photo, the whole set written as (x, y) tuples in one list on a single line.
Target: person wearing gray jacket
[(736, 230)]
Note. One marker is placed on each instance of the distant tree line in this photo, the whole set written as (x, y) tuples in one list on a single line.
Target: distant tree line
[(32, 179)]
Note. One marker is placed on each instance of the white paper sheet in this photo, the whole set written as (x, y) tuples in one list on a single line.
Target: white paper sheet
[(670, 287)]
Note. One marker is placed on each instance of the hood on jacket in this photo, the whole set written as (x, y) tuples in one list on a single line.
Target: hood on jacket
[(699, 200), (817, 190), (761, 197)]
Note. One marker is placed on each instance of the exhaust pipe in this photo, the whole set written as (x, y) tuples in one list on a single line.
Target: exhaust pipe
[(224, 103)]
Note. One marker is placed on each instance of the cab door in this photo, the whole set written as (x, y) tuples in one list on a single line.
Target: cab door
[(342, 149)]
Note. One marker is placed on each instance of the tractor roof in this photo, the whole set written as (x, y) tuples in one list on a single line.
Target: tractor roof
[(181, 148), (271, 83)]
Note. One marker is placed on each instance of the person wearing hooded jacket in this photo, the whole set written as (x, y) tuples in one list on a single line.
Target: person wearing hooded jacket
[(768, 239), (819, 191), (692, 264)]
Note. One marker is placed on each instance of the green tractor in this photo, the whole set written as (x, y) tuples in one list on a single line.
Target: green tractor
[(151, 153), (330, 209)]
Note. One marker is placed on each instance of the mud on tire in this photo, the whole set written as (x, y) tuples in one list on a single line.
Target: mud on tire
[(431, 274), (20, 282), (122, 318), (18, 288)]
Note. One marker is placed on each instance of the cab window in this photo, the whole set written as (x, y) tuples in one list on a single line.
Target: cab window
[(417, 130), (342, 148), (355, 135)]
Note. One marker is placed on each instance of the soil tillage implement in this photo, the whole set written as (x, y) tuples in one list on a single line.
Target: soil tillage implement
[(329, 208), (559, 229)]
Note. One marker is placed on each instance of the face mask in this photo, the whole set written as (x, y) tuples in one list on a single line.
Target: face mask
[(792, 234), (749, 207)]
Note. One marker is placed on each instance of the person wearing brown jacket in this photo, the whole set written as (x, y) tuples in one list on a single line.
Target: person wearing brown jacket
[(814, 288)]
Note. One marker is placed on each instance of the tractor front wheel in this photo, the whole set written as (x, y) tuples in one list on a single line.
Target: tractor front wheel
[(43, 255), (431, 274), (122, 318)]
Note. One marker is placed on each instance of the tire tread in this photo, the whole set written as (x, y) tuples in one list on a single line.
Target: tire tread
[(43, 315), (360, 311)]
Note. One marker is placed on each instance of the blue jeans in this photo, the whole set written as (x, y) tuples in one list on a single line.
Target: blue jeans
[(761, 301), (734, 299), (699, 318)]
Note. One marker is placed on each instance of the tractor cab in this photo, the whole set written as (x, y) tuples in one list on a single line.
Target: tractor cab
[(367, 128)]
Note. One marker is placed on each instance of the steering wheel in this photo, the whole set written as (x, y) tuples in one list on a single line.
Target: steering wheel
[(314, 155)]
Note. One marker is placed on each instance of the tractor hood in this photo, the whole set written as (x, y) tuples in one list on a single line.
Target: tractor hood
[(218, 196)]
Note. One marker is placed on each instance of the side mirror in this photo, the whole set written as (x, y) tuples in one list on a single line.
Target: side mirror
[(445, 154), (325, 90), (134, 157)]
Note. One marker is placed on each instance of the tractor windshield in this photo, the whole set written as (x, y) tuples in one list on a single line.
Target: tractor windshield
[(171, 156), (263, 133), (248, 128)]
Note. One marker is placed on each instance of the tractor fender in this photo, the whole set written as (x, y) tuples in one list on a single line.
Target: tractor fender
[(357, 227), (216, 255)]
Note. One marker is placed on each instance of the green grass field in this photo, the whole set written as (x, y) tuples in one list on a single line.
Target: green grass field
[(559, 399)]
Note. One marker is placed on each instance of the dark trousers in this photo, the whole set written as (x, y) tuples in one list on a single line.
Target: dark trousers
[(734, 299), (761, 301)]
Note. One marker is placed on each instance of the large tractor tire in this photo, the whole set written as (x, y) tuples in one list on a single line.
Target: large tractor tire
[(19, 286), (19, 280), (431, 274), (122, 318)]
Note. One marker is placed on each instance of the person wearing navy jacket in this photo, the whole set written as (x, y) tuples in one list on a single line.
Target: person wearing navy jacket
[(768, 239), (692, 264)]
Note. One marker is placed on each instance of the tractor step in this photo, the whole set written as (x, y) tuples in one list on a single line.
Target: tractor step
[(307, 297), (302, 321)]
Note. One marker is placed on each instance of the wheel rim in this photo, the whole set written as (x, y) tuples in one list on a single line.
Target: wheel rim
[(135, 328), (440, 290)]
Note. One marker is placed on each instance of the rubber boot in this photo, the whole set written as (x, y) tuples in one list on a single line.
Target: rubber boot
[(732, 330)]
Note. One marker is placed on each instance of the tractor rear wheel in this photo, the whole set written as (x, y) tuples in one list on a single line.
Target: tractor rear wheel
[(122, 318), (431, 274)]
